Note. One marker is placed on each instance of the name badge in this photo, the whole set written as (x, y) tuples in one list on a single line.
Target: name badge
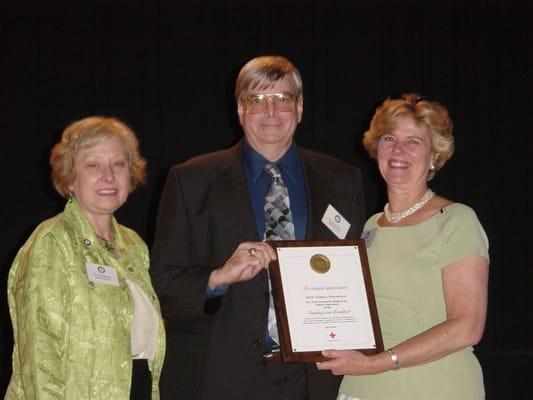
[(336, 222), (368, 236), (102, 274)]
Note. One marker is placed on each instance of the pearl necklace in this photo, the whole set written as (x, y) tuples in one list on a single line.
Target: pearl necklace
[(396, 217)]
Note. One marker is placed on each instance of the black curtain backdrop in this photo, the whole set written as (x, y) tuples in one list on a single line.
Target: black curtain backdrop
[(168, 68)]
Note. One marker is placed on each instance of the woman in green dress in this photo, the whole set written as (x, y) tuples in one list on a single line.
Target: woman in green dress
[(429, 263), (86, 320)]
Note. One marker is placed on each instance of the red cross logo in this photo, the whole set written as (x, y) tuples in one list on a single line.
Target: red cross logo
[(332, 335)]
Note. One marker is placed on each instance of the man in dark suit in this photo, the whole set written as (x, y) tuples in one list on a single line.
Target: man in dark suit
[(209, 260)]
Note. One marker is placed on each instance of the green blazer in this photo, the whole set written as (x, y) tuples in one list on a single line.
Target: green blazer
[(72, 336)]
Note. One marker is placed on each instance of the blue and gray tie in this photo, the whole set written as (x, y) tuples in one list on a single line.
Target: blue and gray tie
[(278, 218), (279, 225)]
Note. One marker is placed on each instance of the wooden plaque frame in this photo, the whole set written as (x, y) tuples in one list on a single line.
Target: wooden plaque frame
[(286, 349)]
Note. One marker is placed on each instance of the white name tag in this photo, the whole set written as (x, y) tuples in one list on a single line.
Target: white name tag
[(336, 222), (102, 274)]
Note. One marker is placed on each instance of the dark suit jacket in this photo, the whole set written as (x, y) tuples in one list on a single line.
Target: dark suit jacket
[(214, 347)]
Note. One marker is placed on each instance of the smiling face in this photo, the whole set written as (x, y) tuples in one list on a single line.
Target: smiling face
[(404, 156), (272, 131), (102, 181)]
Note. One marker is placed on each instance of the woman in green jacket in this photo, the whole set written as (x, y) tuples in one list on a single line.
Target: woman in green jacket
[(86, 320)]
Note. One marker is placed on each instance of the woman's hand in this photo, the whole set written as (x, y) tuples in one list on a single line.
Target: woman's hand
[(465, 293), (352, 362)]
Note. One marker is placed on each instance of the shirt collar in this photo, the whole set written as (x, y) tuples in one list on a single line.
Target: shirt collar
[(255, 162), (76, 216)]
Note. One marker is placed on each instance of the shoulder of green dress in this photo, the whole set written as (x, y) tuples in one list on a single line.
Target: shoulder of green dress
[(457, 211), (44, 241), (456, 216), (372, 222), (130, 237), (51, 227)]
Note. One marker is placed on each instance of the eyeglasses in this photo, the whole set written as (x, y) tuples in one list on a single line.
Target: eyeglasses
[(257, 103)]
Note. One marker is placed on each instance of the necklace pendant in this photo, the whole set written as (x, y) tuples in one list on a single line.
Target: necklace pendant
[(108, 245)]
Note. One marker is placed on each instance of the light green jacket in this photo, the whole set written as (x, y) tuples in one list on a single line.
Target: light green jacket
[(72, 336)]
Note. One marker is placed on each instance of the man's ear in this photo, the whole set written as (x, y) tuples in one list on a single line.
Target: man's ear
[(240, 111), (300, 109)]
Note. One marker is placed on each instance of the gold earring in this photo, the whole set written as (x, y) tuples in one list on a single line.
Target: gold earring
[(434, 161)]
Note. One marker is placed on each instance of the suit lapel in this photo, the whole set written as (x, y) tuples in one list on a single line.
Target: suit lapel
[(233, 209), (319, 194), (232, 201)]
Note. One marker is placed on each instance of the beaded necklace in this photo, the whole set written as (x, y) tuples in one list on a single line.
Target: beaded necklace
[(398, 216)]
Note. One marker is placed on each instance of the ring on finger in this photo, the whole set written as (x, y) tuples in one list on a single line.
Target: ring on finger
[(252, 251)]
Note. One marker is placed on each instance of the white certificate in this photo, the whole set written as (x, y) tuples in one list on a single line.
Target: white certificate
[(324, 298)]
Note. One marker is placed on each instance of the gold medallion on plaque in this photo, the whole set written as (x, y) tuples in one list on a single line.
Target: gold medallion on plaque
[(320, 263)]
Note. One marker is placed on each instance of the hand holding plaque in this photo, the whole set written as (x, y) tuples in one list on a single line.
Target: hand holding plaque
[(324, 299)]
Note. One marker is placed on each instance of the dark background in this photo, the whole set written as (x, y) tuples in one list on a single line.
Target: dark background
[(168, 68)]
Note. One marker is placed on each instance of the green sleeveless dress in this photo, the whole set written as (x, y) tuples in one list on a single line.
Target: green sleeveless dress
[(406, 265)]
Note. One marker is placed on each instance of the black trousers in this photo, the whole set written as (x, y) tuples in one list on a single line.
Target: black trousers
[(282, 382), (141, 381)]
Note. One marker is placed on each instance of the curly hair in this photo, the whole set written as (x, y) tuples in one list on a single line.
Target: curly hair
[(430, 116), (86, 133)]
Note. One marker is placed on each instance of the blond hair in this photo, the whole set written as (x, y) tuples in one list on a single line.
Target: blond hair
[(86, 133), (264, 72), (430, 116)]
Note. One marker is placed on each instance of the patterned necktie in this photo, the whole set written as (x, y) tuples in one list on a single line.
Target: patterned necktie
[(278, 218), (278, 226)]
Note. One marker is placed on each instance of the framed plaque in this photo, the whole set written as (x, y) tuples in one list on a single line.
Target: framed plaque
[(324, 299)]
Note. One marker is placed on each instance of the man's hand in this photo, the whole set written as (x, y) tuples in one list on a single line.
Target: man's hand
[(244, 264)]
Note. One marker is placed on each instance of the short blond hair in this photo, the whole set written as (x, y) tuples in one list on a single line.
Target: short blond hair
[(430, 116), (86, 133), (264, 72)]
